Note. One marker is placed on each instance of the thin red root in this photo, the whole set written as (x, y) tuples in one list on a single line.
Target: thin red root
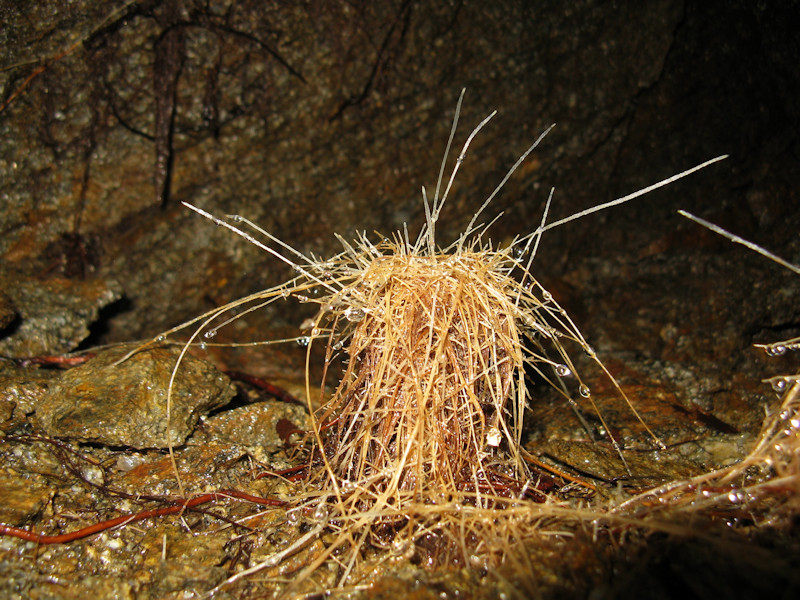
[(179, 506)]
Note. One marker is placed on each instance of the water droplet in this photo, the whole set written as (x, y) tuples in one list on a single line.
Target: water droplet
[(284, 293), (338, 345), (236, 218), (584, 391), (203, 345), (293, 516), (301, 299), (354, 314), (211, 333), (400, 546), (776, 350), (563, 371), (478, 561), (93, 474), (316, 331), (778, 384), (321, 513), (304, 340), (736, 496), (493, 437), (547, 296), (161, 338)]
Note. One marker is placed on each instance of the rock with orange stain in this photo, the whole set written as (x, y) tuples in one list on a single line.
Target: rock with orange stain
[(125, 404)]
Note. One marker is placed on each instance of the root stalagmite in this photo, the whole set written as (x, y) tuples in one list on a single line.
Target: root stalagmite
[(435, 358)]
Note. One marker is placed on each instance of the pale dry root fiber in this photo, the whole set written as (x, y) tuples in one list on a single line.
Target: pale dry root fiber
[(420, 443)]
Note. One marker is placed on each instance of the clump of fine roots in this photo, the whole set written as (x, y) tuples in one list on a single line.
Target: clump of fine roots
[(418, 448), (435, 382)]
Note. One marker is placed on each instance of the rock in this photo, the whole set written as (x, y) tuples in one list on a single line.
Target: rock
[(23, 497), (125, 404), (49, 316), (191, 562), (256, 424), (21, 390), (202, 467)]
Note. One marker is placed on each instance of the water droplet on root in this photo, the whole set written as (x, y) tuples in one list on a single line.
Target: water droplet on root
[(354, 314), (321, 513), (778, 384)]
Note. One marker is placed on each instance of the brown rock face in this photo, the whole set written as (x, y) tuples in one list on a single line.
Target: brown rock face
[(125, 404)]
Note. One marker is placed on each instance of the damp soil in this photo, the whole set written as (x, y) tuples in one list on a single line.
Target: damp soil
[(323, 118)]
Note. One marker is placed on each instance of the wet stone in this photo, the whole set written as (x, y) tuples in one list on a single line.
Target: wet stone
[(6, 411), (91, 586), (125, 404), (21, 389), (202, 467), (600, 461), (187, 562), (22, 498), (257, 424), (50, 316), (8, 312)]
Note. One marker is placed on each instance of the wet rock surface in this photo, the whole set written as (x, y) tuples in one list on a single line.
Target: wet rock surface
[(21, 390), (49, 316), (23, 498), (118, 402), (257, 425), (312, 119)]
